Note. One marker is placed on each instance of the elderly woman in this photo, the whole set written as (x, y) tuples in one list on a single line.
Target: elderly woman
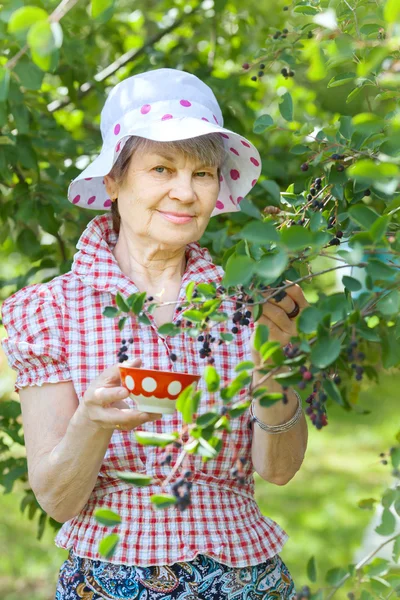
[(166, 166)]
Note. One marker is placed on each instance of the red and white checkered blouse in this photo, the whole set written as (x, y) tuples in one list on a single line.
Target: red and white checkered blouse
[(57, 333)]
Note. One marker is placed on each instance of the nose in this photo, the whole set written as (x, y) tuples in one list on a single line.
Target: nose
[(182, 188)]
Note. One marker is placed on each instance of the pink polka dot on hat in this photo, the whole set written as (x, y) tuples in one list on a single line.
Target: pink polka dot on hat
[(166, 105)]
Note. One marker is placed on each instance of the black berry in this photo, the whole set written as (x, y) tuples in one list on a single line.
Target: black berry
[(304, 167)]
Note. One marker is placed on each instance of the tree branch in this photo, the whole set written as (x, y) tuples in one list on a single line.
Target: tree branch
[(120, 62)]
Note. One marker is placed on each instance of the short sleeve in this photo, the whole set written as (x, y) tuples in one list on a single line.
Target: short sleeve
[(35, 346)]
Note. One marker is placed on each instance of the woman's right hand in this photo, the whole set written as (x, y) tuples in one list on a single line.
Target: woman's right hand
[(103, 402)]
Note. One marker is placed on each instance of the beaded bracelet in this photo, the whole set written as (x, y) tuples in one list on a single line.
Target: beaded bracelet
[(283, 426)]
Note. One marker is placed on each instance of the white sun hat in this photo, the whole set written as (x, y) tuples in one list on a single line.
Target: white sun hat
[(166, 105)]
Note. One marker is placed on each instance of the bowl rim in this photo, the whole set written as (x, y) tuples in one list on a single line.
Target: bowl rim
[(159, 371)]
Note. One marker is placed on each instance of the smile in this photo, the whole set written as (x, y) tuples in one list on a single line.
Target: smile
[(175, 218)]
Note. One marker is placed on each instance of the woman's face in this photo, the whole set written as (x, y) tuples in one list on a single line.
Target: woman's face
[(157, 183)]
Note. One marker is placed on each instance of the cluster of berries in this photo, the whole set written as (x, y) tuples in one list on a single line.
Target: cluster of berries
[(316, 187), (316, 409), (260, 73), (237, 470), (287, 73), (280, 34), (304, 593), (122, 356), (181, 490), (352, 356), (339, 167)]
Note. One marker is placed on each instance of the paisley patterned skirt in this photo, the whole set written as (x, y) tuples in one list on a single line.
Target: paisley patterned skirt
[(202, 578)]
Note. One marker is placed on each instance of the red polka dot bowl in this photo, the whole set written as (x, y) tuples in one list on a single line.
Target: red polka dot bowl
[(155, 391)]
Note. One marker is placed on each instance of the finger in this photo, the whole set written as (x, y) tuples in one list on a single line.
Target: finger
[(128, 419), (296, 293), (277, 315), (276, 332), (112, 375)]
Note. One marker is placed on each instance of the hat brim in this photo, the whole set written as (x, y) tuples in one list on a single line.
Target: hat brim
[(240, 170)]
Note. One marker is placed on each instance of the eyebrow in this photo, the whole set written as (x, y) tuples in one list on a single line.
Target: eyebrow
[(171, 157)]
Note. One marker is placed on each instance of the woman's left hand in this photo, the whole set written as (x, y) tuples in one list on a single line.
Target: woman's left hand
[(275, 317)]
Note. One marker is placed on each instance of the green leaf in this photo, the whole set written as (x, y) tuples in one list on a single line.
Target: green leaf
[(367, 503), (262, 123), (194, 315), (389, 304), (325, 351), (333, 391), (211, 378), (312, 570), (136, 302), (366, 170), (270, 399), (121, 323), (273, 190), (352, 284), (309, 319), (205, 449), (334, 576), (121, 303), (286, 107), (238, 408), (163, 500), (259, 232), (362, 215), (144, 319), (22, 19), (261, 336), (296, 237), (396, 550), (169, 329), (207, 289), (239, 270), (41, 39), (149, 438), (395, 458), (227, 337), (4, 83), (341, 79), (391, 11), (43, 62), (305, 10), (378, 270), (388, 523), (28, 74), (108, 545), (244, 365), (268, 349), (110, 311), (138, 479), (380, 227), (189, 290), (270, 267), (207, 419), (100, 6), (299, 149), (188, 402), (107, 517)]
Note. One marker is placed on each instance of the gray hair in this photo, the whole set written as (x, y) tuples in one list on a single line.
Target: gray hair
[(208, 149)]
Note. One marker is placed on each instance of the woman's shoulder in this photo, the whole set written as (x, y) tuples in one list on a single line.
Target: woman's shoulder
[(49, 291)]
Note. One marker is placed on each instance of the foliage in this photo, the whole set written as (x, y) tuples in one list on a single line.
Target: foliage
[(347, 139)]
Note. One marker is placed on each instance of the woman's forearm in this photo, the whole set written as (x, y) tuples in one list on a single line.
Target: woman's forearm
[(65, 477), (277, 457)]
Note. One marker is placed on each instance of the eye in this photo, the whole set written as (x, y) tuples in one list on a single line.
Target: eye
[(159, 168), (205, 173)]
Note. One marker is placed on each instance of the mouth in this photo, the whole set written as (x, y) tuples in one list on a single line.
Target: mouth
[(177, 217)]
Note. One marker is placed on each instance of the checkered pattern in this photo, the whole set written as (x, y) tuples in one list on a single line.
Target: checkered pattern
[(56, 332)]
